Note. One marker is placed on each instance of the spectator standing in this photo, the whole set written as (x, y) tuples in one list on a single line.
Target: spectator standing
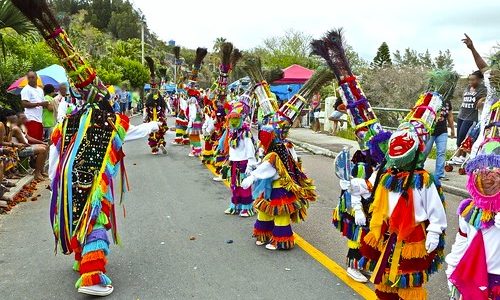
[(136, 98), (64, 105), (473, 100), (124, 100), (440, 138), (49, 114), (33, 101), (315, 110)]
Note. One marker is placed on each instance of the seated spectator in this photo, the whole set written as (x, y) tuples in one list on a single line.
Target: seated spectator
[(31, 147), (9, 154), (8, 158), (336, 117)]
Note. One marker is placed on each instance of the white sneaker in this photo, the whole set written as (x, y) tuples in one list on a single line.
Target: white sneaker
[(191, 154), (96, 290), (458, 160), (271, 247), (356, 275), (163, 149), (217, 178), (259, 243)]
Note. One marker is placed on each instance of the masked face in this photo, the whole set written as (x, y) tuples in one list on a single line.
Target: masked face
[(401, 144), (235, 123), (487, 181)]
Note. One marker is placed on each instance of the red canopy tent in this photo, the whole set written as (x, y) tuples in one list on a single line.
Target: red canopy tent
[(294, 74)]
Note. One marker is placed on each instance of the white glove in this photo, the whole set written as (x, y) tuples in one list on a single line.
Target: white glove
[(190, 124), (431, 241), (497, 220), (155, 126), (249, 169), (357, 186), (247, 182), (359, 217), (345, 184)]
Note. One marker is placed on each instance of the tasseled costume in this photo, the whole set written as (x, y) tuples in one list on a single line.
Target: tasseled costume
[(82, 208), (281, 199), (194, 131), (343, 220), (240, 147), (156, 111), (181, 124), (397, 242)]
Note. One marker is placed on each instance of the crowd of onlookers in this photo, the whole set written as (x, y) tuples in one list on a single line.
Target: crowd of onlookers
[(25, 135), (127, 102)]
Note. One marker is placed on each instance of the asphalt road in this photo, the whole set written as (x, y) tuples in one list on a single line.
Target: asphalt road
[(172, 201)]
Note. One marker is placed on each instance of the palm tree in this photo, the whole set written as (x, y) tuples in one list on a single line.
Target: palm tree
[(11, 18), (218, 43)]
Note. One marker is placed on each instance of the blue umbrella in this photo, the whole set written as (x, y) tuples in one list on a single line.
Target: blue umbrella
[(56, 72)]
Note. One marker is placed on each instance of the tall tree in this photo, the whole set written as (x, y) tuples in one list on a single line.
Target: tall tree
[(11, 18), (383, 57), (413, 59), (283, 51), (444, 60), (357, 63), (218, 43)]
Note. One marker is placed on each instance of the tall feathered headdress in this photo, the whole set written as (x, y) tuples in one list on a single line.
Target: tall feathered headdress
[(293, 107), (366, 125), (267, 102), (79, 71), (236, 55), (198, 60), (224, 69), (151, 66)]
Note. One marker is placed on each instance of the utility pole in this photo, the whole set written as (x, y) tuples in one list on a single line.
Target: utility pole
[(142, 41)]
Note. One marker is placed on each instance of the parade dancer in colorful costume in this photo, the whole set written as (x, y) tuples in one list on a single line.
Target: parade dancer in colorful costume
[(266, 100), (474, 262), (86, 153), (156, 111), (241, 149), (220, 105), (408, 220), (194, 114), (208, 130), (351, 214), (181, 121), (282, 191)]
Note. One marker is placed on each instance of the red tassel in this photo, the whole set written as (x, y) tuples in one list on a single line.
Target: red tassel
[(92, 266)]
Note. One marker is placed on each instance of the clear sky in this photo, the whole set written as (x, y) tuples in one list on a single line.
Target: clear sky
[(425, 24)]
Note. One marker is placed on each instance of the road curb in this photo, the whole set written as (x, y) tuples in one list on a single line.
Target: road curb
[(19, 186), (316, 150)]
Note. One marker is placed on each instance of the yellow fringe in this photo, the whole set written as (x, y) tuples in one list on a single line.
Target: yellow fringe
[(304, 190), (487, 216), (416, 293), (386, 289), (414, 250), (371, 241), (380, 210), (335, 214), (353, 244)]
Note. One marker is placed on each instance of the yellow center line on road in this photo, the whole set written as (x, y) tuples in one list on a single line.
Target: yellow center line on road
[(362, 289)]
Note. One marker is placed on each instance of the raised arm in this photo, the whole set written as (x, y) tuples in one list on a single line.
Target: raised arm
[(480, 63)]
